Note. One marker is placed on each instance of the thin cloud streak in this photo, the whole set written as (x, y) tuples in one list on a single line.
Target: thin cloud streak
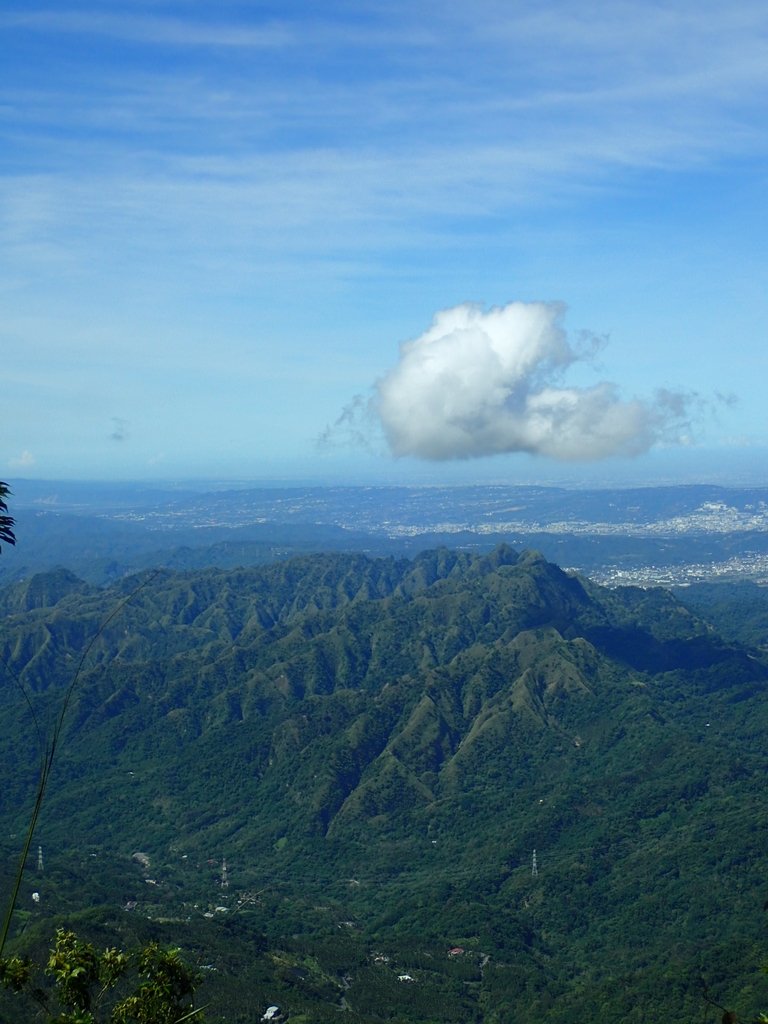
[(322, 202), (152, 30), (414, 143), (630, 54)]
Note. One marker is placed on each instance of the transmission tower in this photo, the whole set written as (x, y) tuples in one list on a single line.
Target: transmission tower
[(534, 866), (40, 860), (224, 876)]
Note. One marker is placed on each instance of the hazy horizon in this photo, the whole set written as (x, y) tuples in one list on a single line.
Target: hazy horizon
[(655, 470)]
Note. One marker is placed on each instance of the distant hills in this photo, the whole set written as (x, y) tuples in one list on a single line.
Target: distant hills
[(652, 534), (376, 747)]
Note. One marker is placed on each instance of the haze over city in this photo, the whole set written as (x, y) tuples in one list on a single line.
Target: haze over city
[(384, 242)]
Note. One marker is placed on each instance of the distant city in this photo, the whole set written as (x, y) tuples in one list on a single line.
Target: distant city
[(650, 536)]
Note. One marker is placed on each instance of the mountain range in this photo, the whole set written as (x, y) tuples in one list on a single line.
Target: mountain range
[(369, 764)]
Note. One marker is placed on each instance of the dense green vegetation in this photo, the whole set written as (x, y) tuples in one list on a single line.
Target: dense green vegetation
[(376, 747), (737, 611)]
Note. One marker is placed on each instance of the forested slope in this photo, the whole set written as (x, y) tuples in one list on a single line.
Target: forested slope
[(376, 747)]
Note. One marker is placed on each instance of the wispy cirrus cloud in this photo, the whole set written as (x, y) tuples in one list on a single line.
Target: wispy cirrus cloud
[(151, 29), (430, 72)]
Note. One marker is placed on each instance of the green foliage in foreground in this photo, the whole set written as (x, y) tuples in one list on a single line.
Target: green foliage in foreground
[(90, 986), (7, 534)]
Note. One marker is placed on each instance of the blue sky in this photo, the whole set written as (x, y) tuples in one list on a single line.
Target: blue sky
[(227, 233)]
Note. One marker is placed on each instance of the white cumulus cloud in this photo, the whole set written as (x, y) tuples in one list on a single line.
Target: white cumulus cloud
[(487, 382)]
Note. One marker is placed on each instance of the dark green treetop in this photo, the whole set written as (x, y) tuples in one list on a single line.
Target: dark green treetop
[(6, 521)]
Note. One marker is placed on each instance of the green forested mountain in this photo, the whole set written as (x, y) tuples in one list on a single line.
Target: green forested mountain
[(737, 611), (376, 748)]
